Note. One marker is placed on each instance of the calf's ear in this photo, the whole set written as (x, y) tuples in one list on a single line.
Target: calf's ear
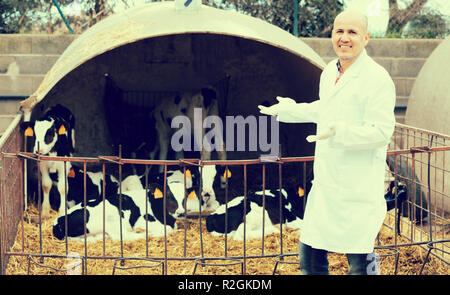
[(192, 195), (71, 173), (27, 128), (226, 174), (62, 130), (158, 194)]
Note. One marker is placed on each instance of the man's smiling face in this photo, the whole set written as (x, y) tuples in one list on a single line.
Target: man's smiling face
[(349, 36)]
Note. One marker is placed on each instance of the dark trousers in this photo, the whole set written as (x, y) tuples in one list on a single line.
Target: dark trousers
[(315, 262)]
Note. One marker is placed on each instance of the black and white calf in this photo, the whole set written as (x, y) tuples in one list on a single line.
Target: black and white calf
[(186, 201), (212, 179), (137, 214), (94, 186), (206, 100), (54, 136), (229, 218)]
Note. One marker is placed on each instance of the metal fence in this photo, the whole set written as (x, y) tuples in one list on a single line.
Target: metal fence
[(11, 188), (420, 158), (416, 158)]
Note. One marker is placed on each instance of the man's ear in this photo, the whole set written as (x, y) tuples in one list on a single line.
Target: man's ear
[(366, 38)]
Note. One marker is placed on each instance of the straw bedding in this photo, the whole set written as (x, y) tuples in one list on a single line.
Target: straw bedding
[(410, 262)]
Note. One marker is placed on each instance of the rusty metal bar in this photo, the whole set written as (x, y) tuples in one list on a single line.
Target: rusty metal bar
[(280, 195), (233, 262), (40, 264), (104, 206), (226, 212), (2, 218), (245, 219), (200, 210), (39, 204), (122, 262), (85, 214), (146, 210), (66, 226), (397, 216), (208, 162), (422, 131), (431, 246), (120, 205), (185, 209), (280, 259), (165, 217), (263, 207)]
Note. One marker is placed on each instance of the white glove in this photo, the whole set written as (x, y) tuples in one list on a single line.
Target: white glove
[(329, 132), (273, 110)]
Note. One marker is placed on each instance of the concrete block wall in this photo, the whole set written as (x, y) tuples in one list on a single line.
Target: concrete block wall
[(25, 59)]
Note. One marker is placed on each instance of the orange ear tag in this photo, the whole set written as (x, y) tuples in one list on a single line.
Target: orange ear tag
[(158, 194), (188, 173), (227, 174), (192, 196), (29, 132), (62, 130), (71, 173), (301, 192)]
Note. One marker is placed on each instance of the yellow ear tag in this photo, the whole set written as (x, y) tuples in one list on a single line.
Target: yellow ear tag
[(158, 194), (227, 174), (71, 173), (188, 173), (301, 192), (192, 196), (62, 130), (29, 132)]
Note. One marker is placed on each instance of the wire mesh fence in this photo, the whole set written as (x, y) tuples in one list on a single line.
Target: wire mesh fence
[(417, 166)]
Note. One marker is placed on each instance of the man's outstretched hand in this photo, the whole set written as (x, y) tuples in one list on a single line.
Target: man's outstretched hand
[(274, 110)]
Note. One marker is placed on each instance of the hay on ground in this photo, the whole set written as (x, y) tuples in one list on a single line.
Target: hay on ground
[(181, 261)]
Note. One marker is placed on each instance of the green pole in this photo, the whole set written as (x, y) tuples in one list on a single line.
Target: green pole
[(63, 17), (295, 18)]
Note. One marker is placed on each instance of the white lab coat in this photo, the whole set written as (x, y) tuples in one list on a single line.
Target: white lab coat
[(346, 206)]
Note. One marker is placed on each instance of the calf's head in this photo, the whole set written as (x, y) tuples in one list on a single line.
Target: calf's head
[(75, 224), (45, 132), (156, 197)]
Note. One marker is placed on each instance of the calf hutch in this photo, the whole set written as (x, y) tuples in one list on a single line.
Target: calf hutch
[(136, 205)]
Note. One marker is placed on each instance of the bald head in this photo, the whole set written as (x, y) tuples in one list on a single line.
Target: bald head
[(356, 16)]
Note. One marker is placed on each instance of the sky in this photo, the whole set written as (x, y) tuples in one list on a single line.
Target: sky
[(377, 10)]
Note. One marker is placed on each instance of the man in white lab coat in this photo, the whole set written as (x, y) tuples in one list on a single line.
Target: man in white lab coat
[(355, 121)]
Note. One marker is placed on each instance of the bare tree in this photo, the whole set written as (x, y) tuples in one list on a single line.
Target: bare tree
[(399, 18)]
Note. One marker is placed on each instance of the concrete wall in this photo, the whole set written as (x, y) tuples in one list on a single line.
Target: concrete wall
[(25, 59)]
